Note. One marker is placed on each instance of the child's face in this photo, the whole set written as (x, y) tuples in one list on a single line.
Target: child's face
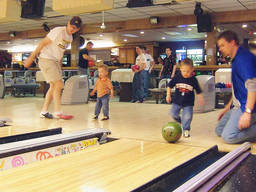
[(186, 71), (102, 73)]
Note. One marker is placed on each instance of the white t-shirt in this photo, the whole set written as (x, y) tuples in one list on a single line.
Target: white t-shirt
[(149, 59), (60, 41), (140, 59)]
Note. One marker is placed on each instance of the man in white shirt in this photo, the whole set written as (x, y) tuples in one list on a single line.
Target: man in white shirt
[(147, 71), (138, 79), (51, 50)]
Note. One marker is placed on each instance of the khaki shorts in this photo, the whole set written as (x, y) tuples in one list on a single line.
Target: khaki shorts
[(51, 69)]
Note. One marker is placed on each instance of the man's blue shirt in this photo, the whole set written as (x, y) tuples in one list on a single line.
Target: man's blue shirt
[(243, 68)]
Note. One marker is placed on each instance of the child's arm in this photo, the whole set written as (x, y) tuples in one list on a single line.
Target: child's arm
[(168, 95), (93, 91), (112, 93), (110, 86), (201, 99)]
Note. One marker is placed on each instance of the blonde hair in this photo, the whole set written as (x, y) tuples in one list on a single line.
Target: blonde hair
[(104, 67), (187, 62)]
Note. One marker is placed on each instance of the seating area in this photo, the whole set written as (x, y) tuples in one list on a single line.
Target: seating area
[(20, 85)]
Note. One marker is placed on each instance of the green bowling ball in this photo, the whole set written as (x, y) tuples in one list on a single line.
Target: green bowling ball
[(171, 132)]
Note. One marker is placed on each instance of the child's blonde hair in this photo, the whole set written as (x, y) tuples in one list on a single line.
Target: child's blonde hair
[(187, 62), (104, 67)]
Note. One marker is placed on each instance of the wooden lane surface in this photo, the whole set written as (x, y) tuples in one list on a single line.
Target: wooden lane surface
[(117, 166)]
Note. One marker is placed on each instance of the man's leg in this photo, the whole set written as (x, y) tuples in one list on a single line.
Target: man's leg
[(58, 86), (222, 123), (135, 87), (140, 91), (48, 98), (146, 83), (232, 134)]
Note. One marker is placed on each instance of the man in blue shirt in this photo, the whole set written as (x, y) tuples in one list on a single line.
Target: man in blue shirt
[(238, 124)]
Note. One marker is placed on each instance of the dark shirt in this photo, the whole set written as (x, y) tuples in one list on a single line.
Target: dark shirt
[(83, 63), (184, 90), (169, 62)]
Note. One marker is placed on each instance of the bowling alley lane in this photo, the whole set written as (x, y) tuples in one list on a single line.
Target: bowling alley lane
[(121, 165)]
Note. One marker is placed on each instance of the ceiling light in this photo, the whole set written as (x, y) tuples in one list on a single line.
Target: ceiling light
[(244, 26), (163, 37), (130, 35)]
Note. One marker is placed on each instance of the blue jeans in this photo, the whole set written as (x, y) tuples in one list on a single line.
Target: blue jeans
[(187, 115), (227, 128), (104, 103), (138, 86), (146, 82)]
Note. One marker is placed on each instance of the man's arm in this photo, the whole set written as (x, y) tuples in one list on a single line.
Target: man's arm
[(46, 41), (245, 119), (173, 71), (87, 57), (152, 64)]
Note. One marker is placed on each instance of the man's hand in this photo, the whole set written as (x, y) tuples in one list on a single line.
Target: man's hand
[(245, 121), (28, 62)]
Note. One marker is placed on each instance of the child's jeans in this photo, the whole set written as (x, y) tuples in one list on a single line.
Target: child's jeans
[(187, 115), (104, 103)]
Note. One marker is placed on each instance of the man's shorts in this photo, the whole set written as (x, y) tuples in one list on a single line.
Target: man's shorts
[(51, 69)]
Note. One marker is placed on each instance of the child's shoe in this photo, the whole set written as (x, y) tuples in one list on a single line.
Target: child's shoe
[(105, 118), (186, 134)]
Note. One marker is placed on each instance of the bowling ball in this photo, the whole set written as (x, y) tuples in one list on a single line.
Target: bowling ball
[(171, 132), (135, 67), (90, 63)]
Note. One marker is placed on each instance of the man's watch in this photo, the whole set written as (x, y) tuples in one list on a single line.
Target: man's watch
[(247, 110)]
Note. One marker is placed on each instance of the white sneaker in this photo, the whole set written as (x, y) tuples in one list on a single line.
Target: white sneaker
[(186, 134), (46, 115)]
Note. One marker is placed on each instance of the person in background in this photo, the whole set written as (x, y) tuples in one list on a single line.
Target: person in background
[(169, 66), (84, 58), (51, 50), (104, 90), (238, 124), (138, 78), (147, 71)]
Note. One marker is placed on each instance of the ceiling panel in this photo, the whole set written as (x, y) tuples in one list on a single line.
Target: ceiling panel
[(121, 12)]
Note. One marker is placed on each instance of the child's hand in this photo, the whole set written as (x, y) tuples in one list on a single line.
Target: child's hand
[(168, 98), (111, 96)]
